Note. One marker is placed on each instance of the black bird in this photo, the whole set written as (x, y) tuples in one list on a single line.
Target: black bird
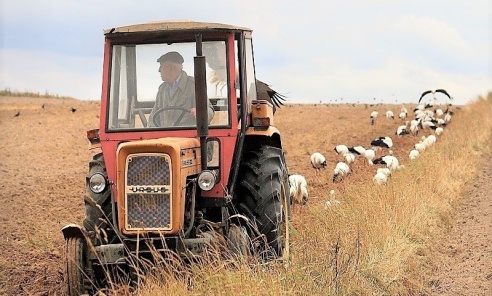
[(42, 106), (17, 114), (73, 109), (264, 92)]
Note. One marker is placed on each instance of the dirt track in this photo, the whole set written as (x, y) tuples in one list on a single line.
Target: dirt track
[(466, 252), (43, 163)]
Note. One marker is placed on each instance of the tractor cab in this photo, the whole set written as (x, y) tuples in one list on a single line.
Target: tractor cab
[(220, 60)]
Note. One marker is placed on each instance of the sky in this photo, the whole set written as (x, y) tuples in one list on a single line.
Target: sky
[(354, 51)]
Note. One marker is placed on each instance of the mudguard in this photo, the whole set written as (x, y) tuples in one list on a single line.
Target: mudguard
[(73, 230)]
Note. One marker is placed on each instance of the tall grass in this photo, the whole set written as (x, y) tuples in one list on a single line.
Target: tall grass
[(378, 241)]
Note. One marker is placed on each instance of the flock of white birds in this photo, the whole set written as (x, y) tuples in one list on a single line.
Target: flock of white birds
[(426, 123)]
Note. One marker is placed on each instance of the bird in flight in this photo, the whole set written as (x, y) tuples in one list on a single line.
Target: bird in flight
[(433, 92), (264, 92)]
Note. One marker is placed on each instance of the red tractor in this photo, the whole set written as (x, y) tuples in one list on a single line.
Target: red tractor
[(174, 178)]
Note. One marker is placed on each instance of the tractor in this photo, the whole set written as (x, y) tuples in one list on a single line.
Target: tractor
[(179, 187)]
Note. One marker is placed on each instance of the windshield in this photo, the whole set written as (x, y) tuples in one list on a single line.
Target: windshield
[(152, 86)]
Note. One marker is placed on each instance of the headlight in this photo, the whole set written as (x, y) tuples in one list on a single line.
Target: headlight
[(97, 183), (206, 180)]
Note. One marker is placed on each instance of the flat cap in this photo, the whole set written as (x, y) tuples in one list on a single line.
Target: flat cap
[(171, 56)]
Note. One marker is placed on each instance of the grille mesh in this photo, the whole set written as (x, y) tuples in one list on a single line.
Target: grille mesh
[(148, 170), (148, 210)]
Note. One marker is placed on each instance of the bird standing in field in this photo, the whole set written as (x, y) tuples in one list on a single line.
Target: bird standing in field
[(439, 112), (420, 147), (381, 176), (17, 114), (370, 154), (402, 130), (342, 169), (430, 140), (402, 115), (390, 161), (385, 171), (298, 189), (341, 149), (349, 157), (358, 150), (427, 124), (72, 109), (374, 115), (414, 127), (414, 153), (383, 142), (318, 161), (331, 201), (447, 116)]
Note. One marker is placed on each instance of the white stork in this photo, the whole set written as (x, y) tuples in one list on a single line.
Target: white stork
[(434, 99)]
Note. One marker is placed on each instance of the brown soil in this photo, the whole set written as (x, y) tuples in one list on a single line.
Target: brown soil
[(44, 157), (43, 162)]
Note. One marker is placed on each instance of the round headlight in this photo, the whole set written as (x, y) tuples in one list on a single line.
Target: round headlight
[(97, 183), (206, 180)]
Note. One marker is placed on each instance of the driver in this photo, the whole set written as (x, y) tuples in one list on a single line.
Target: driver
[(177, 90)]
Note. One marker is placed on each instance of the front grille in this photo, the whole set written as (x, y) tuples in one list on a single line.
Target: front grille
[(148, 192), (148, 210)]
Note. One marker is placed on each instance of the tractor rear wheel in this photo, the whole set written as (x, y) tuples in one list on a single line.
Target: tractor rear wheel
[(262, 194), (77, 279)]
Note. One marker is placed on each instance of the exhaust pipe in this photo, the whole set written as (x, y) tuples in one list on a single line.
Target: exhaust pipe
[(201, 100)]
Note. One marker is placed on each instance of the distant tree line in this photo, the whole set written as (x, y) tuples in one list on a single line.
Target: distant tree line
[(7, 92)]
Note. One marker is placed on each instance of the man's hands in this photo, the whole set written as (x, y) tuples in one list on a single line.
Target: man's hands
[(193, 112)]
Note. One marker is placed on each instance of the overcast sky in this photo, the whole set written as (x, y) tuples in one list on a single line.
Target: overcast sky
[(311, 51)]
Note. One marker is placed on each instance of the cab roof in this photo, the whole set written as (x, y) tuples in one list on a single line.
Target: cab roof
[(172, 26)]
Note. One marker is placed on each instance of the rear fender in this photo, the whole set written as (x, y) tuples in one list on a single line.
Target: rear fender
[(73, 230), (270, 135)]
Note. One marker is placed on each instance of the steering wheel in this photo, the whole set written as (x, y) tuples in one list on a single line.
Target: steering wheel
[(163, 109)]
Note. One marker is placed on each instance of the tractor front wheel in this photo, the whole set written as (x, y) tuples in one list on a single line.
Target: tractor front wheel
[(77, 279), (239, 241)]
